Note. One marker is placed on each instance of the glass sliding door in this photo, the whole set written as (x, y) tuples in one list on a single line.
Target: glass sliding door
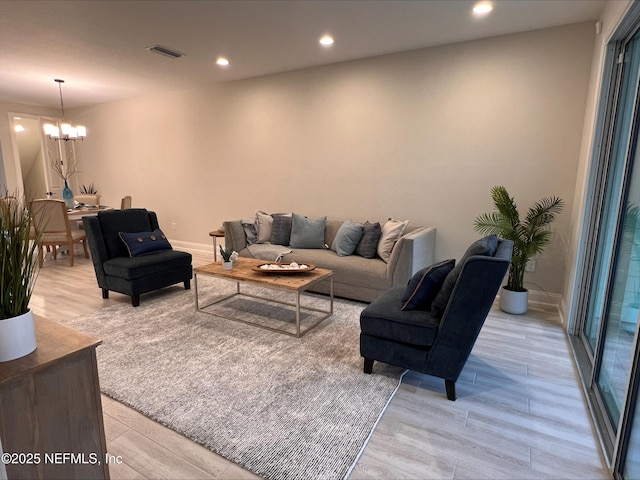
[(607, 345), (622, 308)]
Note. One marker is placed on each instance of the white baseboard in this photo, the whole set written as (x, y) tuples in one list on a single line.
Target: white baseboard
[(193, 247), (543, 298), (538, 296)]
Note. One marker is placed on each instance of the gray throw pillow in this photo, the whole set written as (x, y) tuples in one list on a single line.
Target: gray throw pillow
[(368, 246), (484, 246), (263, 227), (424, 286), (281, 229), (307, 232), (347, 238)]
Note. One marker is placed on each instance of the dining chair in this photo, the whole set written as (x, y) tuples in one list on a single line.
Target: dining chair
[(51, 220), (125, 203)]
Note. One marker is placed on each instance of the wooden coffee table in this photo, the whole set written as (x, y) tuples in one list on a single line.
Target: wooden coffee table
[(243, 273)]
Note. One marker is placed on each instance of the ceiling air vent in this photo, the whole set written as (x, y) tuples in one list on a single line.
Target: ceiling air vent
[(165, 51)]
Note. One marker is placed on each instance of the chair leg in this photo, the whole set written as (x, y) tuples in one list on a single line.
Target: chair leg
[(135, 300), (105, 293), (450, 386), (368, 365), (86, 251), (71, 254), (187, 284), (40, 256)]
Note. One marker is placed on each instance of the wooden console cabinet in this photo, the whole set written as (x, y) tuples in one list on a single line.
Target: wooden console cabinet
[(50, 409)]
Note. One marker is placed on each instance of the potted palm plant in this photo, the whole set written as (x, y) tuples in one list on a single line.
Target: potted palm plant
[(18, 272), (530, 236)]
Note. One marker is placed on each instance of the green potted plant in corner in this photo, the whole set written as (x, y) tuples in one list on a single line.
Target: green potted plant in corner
[(18, 272), (530, 236)]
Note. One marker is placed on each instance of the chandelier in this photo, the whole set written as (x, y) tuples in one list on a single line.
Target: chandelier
[(66, 131)]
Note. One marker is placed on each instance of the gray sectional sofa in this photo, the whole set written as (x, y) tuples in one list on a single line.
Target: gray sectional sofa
[(355, 277)]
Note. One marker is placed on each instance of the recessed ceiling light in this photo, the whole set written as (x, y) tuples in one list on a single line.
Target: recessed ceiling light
[(482, 8), (326, 40), (223, 62)]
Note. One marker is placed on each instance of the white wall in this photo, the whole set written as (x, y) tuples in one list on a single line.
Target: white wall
[(421, 135)]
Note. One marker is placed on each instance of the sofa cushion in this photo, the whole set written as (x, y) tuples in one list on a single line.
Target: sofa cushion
[(281, 229), (347, 238), (425, 285), (381, 318), (307, 232), (144, 243), (483, 246), (154, 263), (391, 231), (351, 270), (368, 245)]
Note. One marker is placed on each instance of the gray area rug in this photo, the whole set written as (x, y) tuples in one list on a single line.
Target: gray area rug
[(282, 407)]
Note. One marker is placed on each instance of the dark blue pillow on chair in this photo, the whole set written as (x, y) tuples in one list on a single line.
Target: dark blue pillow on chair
[(142, 243), (425, 285)]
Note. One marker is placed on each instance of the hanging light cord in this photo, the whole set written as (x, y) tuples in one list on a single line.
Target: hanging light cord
[(60, 82)]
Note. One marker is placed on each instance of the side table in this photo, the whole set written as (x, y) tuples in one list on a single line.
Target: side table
[(216, 234), (50, 407)]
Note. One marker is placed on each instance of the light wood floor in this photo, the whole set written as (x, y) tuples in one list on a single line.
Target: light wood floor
[(519, 414)]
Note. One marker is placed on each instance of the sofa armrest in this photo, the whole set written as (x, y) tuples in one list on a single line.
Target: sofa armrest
[(234, 235), (412, 252)]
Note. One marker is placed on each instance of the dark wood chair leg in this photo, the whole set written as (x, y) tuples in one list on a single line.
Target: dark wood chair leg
[(368, 365), (105, 293), (135, 300), (450, 386), (187, 284)]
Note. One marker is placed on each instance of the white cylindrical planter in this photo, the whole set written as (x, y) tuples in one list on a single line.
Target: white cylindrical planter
[(514, 302), (17, 337), (227, 265)]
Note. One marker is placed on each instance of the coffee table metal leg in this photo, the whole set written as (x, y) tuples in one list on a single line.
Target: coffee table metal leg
[(297, 314), (331, 295), (195, 284)]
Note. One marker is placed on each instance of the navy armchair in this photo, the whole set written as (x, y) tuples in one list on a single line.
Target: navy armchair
[(438, 340), (117, 270)]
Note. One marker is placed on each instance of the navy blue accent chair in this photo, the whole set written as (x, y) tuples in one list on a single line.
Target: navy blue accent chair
[(421, 341), (116, 270)]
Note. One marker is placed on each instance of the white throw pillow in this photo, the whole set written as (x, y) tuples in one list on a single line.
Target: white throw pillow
[(391, 232)]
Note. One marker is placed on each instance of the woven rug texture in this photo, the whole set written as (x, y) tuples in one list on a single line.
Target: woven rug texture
[(281, 407)]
